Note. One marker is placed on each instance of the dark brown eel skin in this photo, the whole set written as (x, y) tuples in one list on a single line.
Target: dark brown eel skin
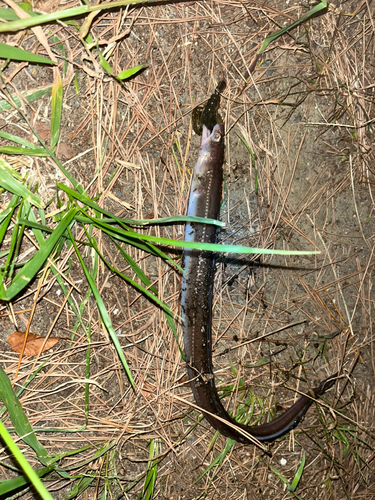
[(196, 299)]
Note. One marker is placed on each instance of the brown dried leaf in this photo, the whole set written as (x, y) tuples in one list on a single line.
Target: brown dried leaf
[(43, 130), (66, 151), (33, 345)]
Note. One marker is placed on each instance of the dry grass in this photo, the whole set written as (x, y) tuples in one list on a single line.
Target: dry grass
[(306, 113)]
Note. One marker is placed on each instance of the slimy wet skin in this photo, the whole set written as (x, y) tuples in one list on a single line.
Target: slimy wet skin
[(197, 286)]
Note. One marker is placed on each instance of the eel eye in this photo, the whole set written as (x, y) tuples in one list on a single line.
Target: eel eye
[(216, 137)]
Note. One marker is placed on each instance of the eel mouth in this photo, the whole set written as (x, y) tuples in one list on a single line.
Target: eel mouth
[(208, 134), (205, 135)]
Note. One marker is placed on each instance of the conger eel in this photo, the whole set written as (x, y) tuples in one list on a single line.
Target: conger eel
[(196, 292)]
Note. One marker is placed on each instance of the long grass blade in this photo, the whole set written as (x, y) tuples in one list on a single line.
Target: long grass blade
[(16, 54), (311, 13), (219, 459), (15, 150), (29, 471), (19, 420), (80, 487), (211, 247), (16, 484), (104, 314), (56, 108), (8, 182), (135, 268), (29, 96), (30, 270), (253, 158), (8, 217), (134, 222), (9, 14), (64, 14), (104, 63), (17, 140), (292, 487), (151, 476), (124, 75)]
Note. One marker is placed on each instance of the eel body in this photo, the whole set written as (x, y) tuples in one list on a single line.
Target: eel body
[(196, 302)]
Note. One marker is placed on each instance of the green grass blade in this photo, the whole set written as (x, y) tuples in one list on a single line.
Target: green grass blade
[(87, 375), (144, 222), (14, 486), (16, 54), (15, 241), (50, 153), (292, 487), (170, 220), (219, 459), (124, 75), (144, 246), (104, 314), (10, 15), (99, 453), (253, 157), (247, 146), (123, 237), (76, 82), (168, 313), (105, 64), (313, 12), (131, 236), (80, 487), (17, 140), (151, 476), (4, 214), (5, 223), (64, 14), (56, 108), (29, 271), (29, 96), (15, 150), (26, 7), (279, 474), (211, 247), (8, 168), (134, 283), (30, 149), (136, 222), (172, 326), (19, 420), (8, 182), (339, 435), (30, 473), (135, 268)]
